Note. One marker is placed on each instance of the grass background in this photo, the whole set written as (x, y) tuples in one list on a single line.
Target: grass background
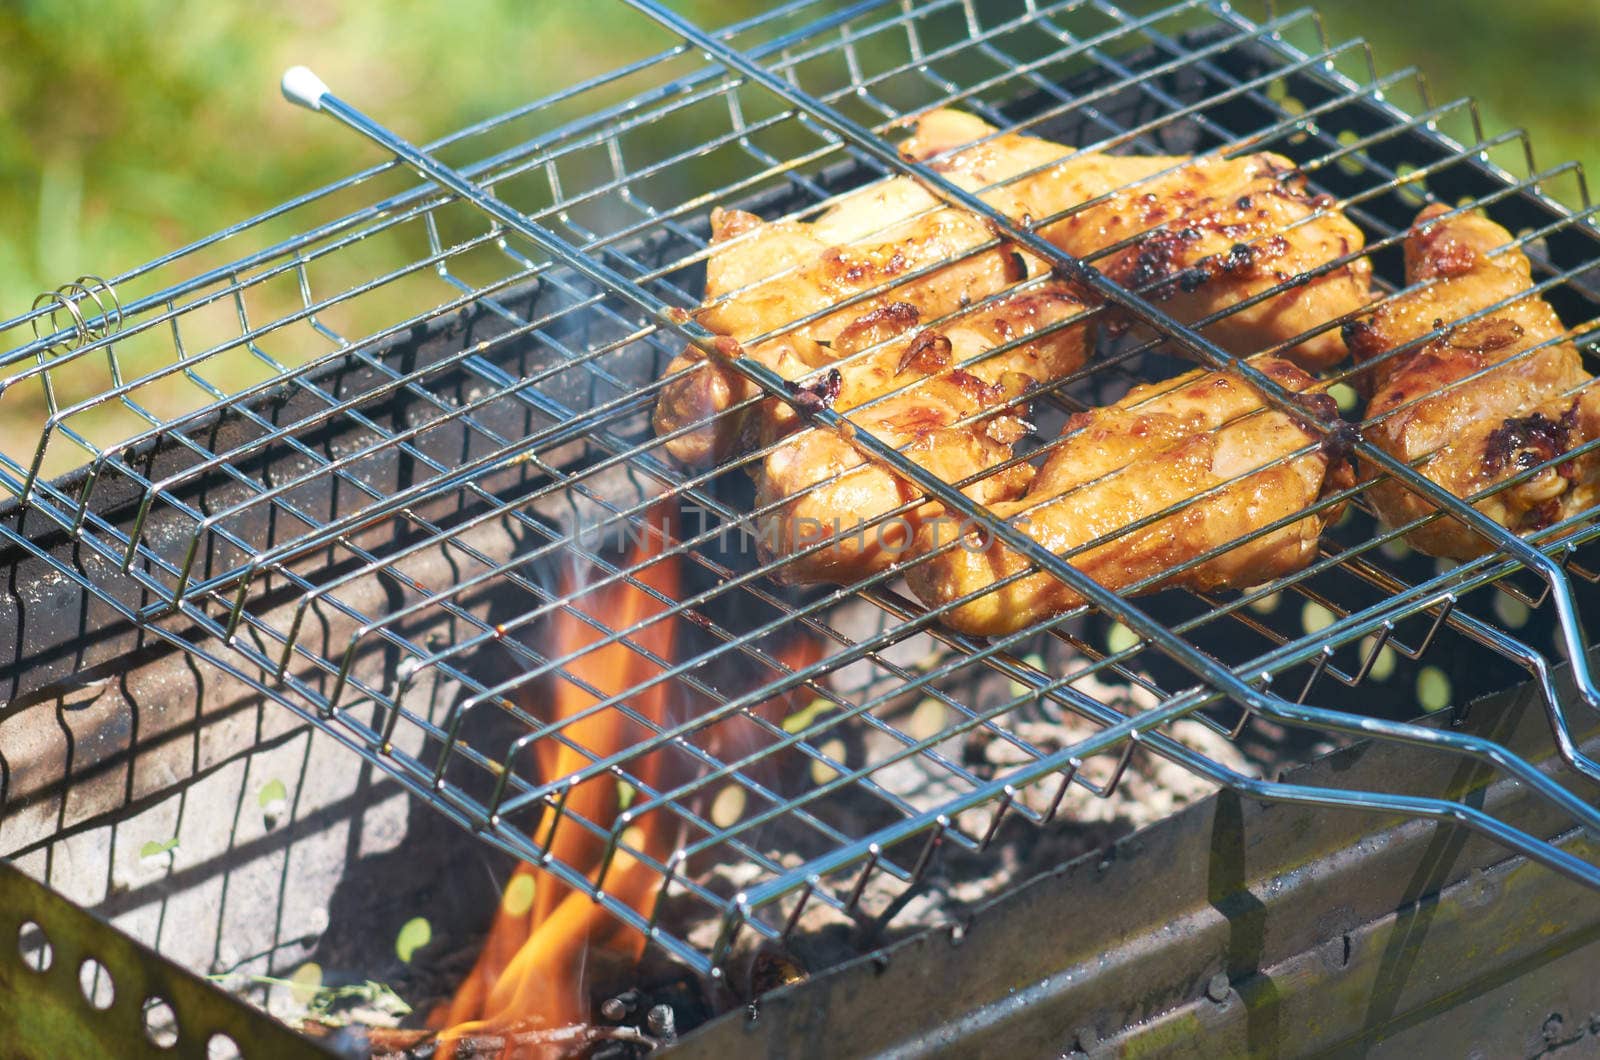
[(133, 127)]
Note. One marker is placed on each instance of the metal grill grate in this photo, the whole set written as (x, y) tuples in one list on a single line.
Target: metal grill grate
[(438, 406)]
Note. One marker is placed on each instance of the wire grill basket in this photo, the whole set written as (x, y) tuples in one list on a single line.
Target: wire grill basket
[(340, 449)]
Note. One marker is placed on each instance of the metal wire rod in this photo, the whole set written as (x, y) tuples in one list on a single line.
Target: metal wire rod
[(444, 467)]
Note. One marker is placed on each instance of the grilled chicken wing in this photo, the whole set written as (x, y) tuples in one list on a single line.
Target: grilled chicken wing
[(1231, 229), (955, 410), (762, 277), (1160, 446), (1197, 235), (1472, 431)]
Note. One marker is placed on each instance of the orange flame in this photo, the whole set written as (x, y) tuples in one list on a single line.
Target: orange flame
[(530, 971)]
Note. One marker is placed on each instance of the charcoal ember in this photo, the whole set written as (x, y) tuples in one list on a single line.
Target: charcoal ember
[(535, 1043)]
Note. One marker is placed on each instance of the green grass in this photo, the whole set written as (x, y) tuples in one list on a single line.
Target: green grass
[(1530, 63), (135, 126), (132, 127)]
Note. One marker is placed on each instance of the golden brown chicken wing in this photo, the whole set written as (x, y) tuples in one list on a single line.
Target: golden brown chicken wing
[(954, 410), (1231, 229), (1473, 431), (1160, 446), (1206, 233), (762, 277)]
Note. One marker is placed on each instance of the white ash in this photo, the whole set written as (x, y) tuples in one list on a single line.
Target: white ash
[(957, 879)]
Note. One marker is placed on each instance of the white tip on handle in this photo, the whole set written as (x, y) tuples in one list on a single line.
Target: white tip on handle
[(302, 86)]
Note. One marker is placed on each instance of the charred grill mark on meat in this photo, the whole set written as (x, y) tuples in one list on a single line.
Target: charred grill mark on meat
[(1487, 407), (1528, 441)]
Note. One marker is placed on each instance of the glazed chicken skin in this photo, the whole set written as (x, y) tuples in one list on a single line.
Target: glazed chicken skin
[(1195, 235), (1471, 434), (763, 276), (1231, 229), (1161, 445), (953, 406)]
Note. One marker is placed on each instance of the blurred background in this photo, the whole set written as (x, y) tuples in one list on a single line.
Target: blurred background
[(134, 127)]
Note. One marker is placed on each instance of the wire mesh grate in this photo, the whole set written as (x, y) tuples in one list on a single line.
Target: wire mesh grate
[(366, 449)]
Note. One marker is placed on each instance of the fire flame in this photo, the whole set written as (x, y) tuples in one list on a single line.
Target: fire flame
[(529, 975), (530, 971)]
